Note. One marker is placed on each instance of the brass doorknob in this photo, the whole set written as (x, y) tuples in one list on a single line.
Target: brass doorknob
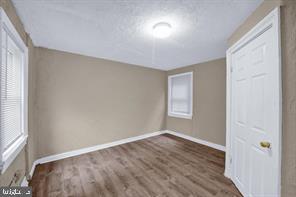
[(265, 144)]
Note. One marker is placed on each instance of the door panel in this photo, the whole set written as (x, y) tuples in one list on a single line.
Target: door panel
[(240, 161), (256, 164), (257, 103), (240, 100)]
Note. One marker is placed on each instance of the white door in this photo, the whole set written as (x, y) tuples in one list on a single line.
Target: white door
[(255, 114)]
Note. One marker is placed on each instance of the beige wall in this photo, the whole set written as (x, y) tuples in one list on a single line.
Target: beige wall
[(31, 148), (288, 33), (84, 101), (209, 103), (27, 156)]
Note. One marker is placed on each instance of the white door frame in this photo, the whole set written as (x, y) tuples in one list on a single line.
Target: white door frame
[(272, 20)]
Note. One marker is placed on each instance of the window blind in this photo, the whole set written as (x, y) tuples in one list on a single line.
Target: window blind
[(11, 91), (181, 94)]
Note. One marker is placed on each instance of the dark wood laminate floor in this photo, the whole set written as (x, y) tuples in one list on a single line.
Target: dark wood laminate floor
[(163, 165)]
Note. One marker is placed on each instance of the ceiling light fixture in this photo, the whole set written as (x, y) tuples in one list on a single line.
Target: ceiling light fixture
[(162, 30)]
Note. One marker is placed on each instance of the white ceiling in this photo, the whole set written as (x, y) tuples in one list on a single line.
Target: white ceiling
[(120, 30)]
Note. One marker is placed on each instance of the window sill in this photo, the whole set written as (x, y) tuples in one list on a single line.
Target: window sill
[(176, 115), (10, 154)]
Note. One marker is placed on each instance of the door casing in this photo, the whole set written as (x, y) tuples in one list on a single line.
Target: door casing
[(271, 20)]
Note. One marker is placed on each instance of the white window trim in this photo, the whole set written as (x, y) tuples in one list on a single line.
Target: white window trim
[(174, 114), (8, 156)]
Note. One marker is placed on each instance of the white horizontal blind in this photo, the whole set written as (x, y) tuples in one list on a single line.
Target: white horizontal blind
[(181, 94), (11, 91)]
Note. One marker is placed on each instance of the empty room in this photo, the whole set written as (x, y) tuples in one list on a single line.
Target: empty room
[(148, 98)]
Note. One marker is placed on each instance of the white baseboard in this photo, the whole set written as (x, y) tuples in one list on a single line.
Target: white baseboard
[(95, 148), (24, 182), (203, 142), (35, 163), (119, 142), (227, 173)]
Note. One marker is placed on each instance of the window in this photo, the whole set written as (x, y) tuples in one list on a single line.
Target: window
[(13, 97), (180, 95)]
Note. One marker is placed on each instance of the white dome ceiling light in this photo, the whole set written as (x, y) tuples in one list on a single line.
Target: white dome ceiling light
[(162, 30)]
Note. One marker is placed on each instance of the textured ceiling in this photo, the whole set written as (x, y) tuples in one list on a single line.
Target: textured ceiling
[(120, 30)]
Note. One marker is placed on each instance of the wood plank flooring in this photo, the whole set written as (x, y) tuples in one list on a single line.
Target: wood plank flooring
[(159, 166)]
